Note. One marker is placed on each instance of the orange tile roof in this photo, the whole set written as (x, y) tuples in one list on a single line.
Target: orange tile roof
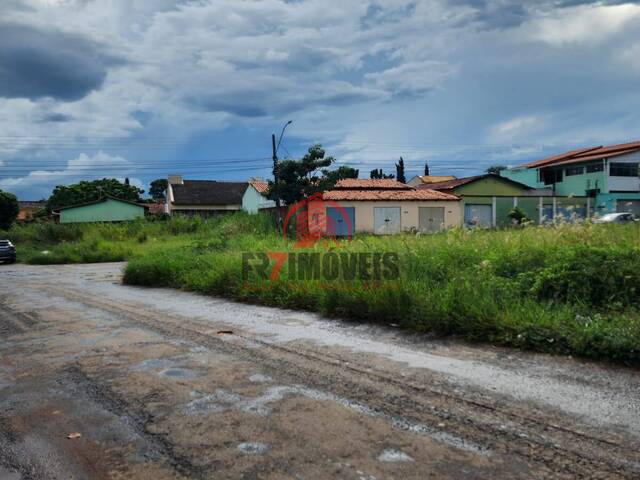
[(388, 194), (435, 178), (261, 187), (367, 183), (586, 154)]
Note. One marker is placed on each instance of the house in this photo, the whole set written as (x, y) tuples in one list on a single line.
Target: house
[(203, 197), (607, 175), (424, 179), (385, 206), (106, 209), (487, 200), (255, 196), (28, 209)]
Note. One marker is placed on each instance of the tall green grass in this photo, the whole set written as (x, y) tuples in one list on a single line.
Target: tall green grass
[(571, 289)]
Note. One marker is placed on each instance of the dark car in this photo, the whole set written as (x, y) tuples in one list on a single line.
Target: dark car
[(7, 251)]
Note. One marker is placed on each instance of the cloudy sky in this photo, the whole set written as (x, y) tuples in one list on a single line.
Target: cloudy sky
[(140, 89)]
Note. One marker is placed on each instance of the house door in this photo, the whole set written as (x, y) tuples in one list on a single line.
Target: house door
[(337, 224), (431, 219), (386, 220), (476, 215)]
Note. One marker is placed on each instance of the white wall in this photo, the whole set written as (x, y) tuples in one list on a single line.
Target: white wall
[(623, 184)]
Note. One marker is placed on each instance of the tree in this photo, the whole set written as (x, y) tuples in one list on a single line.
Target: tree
[(85, 191), (377, 174), (158, 188), (426, 169), (9, 209), (341, 172), (496, 169), (297, 179), (400, 171)]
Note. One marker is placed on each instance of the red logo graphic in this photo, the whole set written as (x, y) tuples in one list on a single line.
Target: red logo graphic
[(316, 218)]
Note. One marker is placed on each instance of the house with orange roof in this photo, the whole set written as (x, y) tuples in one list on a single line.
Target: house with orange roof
[(384, 206), (608, 175), (255, 196)]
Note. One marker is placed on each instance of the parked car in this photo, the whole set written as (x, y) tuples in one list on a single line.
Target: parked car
[(7, 251), (621, 217)]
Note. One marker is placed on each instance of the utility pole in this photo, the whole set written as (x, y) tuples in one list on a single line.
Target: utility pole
[(275, 178), (276, 174)]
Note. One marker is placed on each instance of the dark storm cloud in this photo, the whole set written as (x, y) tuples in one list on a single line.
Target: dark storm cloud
[(56, 118), (38, 63)]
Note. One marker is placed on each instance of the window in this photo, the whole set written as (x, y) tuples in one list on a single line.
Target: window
[(595, 167), (623, 169), (574, 171), (549, 177)]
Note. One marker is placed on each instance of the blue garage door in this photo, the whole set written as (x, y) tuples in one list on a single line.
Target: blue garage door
[(337, 224)]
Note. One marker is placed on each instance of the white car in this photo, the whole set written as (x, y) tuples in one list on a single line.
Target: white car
[(621, 217)]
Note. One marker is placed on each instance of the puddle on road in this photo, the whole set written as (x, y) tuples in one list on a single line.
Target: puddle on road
[(167, 367), (183, 373), (260, 378), (252, 448), (223, 400), (391, 455)]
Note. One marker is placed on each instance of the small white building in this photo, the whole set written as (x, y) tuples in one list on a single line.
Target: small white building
[(255, 197)]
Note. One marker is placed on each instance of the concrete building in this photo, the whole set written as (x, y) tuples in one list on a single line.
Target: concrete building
[(385, 207), (487, 200), (203, 197), (607, 175), (107, 209), (254, 198)]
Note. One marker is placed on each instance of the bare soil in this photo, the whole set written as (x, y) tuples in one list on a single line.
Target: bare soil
[(166, 384)]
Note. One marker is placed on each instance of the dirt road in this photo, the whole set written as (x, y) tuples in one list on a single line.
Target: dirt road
[(165, 384)]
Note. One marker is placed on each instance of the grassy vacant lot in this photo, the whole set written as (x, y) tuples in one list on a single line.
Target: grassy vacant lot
[(567, 289)]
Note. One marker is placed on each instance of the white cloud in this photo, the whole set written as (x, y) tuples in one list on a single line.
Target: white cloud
[(412, 78), (582, 24), (84, 167)]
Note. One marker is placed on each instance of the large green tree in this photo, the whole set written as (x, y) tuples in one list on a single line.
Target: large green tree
[(9, 209), (158, 188), (89, 191), (297, 179)]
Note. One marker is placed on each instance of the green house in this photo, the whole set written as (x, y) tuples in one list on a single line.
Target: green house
[(107, 209), (608, 175), (488, 199)]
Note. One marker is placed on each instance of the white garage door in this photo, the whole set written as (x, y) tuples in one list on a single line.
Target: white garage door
[(386, 220)]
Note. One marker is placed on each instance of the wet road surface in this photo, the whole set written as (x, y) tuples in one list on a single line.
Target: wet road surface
[(154, 383)]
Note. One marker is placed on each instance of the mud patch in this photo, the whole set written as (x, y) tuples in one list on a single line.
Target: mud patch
[(223, 400)]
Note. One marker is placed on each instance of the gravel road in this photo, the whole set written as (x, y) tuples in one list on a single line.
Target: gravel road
[(155, 384)]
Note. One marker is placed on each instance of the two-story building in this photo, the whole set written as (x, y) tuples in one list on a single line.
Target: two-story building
[(607, 175)]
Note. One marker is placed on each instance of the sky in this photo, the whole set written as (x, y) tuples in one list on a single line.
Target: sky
[(142, 89)]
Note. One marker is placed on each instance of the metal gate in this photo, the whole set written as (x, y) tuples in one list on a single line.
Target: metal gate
[(431, 219), (337, 224), (386, 220), (630, 206), (476, 215)]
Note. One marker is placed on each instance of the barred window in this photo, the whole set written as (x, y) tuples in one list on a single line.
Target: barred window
[(574, 171), (595, 167), (623, 169)]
